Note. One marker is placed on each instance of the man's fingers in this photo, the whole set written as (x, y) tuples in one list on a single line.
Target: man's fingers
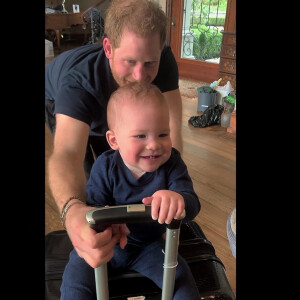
[(102, 254)]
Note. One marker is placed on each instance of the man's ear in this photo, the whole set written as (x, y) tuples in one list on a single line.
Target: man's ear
[(107, 47), (112, 140)]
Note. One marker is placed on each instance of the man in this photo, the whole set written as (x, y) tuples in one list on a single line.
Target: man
[(79, 83)]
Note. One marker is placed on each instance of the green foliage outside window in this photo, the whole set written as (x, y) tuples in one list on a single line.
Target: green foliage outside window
[(206, 20), (207, 42)]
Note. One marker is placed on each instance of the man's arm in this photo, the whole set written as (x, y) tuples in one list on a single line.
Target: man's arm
[(175, 109), (67, 179), (66, 172)]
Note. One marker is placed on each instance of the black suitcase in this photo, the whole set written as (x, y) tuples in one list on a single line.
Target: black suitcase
[(208, 270)]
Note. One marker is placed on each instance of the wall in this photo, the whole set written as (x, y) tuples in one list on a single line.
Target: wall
[(163, 4), (85, 4)]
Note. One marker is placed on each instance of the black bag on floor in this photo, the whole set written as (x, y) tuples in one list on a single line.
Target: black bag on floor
[(211, 116), (208, 270)]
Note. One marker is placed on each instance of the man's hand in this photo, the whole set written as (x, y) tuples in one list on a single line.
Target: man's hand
[(95, 248), (123, 230), (165, 205)]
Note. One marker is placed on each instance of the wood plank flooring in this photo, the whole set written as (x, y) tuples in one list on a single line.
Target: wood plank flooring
[(210, 155)]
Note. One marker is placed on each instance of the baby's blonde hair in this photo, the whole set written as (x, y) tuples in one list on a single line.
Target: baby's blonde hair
[(133, 92)]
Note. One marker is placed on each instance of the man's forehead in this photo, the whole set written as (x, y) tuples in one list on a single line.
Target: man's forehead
[(129, 36)]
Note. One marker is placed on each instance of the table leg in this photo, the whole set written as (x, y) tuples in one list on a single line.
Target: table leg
[(57, 31)]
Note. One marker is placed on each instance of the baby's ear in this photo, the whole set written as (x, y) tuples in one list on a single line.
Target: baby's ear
[(112, 140)]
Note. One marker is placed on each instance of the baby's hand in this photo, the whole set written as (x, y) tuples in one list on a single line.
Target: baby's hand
[(166, 205)]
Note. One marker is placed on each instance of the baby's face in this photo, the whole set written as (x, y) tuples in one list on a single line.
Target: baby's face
[(143, 135)]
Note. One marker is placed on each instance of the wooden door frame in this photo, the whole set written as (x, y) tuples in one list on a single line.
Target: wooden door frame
[(230, 20)]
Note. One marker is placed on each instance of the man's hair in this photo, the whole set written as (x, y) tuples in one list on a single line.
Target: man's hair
[(133, 92), (143, 17)]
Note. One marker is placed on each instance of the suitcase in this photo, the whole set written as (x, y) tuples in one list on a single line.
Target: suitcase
[(101, 218), (207, 269)]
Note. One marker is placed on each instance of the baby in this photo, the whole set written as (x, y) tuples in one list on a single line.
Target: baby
[(141, 167)]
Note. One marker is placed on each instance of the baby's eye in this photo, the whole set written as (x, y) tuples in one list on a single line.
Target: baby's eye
[(140, 136), (163, 135)]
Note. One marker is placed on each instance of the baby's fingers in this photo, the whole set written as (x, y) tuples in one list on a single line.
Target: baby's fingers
[(171, 213), (147, 200), (155, 208), (180, 209)]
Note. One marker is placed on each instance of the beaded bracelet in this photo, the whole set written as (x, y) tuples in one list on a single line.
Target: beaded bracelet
[(65, 204), (66, 207)]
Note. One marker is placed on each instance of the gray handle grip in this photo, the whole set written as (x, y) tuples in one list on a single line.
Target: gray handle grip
[(102, 217)]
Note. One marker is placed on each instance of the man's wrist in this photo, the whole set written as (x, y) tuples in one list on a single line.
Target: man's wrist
[(67, 205)]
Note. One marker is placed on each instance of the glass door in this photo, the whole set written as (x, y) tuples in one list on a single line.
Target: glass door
[(196, 38)]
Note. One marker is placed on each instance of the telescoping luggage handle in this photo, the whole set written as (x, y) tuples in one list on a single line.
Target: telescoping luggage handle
[(101, 218)]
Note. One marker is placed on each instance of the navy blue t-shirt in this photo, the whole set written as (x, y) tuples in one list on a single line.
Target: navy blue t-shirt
[(111, 183), (80, 83)]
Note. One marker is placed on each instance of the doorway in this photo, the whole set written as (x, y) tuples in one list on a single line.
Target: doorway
[(195, 36)]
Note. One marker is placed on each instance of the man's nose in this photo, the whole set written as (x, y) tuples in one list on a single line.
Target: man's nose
[(139, 73)]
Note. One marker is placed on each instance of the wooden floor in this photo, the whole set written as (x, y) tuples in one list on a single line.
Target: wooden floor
[(210, 155)]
